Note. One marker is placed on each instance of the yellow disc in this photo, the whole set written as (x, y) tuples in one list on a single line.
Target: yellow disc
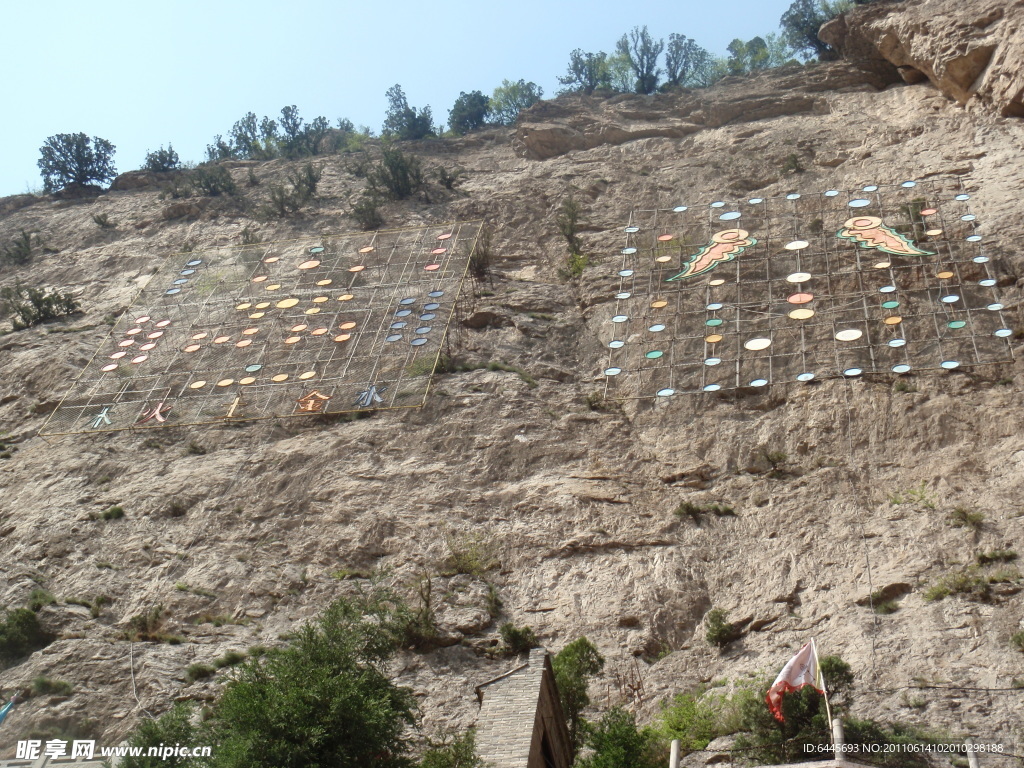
[(933, 232), (280, 377), (263, 305), (346, 297), (850, 334), (271, 259), (250, 331), (293, 340), (260, 279), (319, 299), (197, 385), (307, 375), (663, 259), (247, 380), (343, 337), (225, 382), (274, 287), (716, 281), (894, 320), (659, 303), (944, 275), (313, 311), (285, 303), (757, 344), (367, 249), (243, 343), (714, 338), (256, 315), (324, 282), (882, 265), (802, 314), (244, 305), (299, 328)]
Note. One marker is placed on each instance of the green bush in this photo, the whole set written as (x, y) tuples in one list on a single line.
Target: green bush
[(44, 686), (574, 665), (568, 219), (472, 553), (213, 181), (102, 220), (509, 99), (229, 659), (397, 176), (469, 112), (303, 185), (162, 161), (517, 639), (996, 556), (696, 512), (113, 513), (720, 632), (618, 743), (367, 212), (1017, 641), (174, 727), (20, 249), (962, 517), (20, 635), (40, 597), (483, 254), (148, 627), (419, 628), (458, 752), (74, 158), (449, 179), (965, 582), (405, 122), (30, 306), (199, 671)]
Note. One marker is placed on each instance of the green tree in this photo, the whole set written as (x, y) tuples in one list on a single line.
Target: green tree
[(618, 74), (641, 50), (747, 57), (801, 22), (174, 727), (618, 743), (509, 99), (469, 112), (397, 176), (574, 665), (74, 158), (250, 139), (587, 72), (686, 62), (162, 161), (27, 306), (405, 122), (325, 700)]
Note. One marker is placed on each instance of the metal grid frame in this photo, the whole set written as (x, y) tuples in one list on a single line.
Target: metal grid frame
[(702, 333), (331, 324)]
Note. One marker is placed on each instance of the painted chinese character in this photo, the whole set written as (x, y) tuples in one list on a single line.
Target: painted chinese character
[(56, 748), (370, 395), (83, 749), (314, 402), (28, 750), (102, 418), (156, 412)]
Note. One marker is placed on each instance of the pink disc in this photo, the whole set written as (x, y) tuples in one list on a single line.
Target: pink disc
[(432, 267), (133, 331), (163, 323), (143, 319), (444, 237), (126, 343), (439, 251), (154, 335), (118, 355), (109, 367), (800, 298), (140, 359), (148, 346)]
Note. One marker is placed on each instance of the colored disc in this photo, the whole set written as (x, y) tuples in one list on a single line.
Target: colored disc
[(318, 331), (659, 304), (191, 348), (945, 275), (850, 334), (140, 359), (343, 337), (802, 314), (654, 354), (663, 259), (109, 367), (250, 331), (713, 338), (928, 211), (613, 371), (221, 339), (293, 340), (307, 375), (324, 282), (247, 380), (798, 277), (901, 368), (274, 287), (890, 304), (757, 344), (882, 264), (279, 377), (225, 382), (713, 322), (716, 281), (445, 236), (243, 343), (666, 392), (800, 298), (260, 279), (432, 267), (954, 324), (312, 311), (346, 297), (286, 303), (713, 361), (347, 325), (320, 299), (265, 304), (664, 238), (197, 384), (366, 249), (357, 268), (894, 320)]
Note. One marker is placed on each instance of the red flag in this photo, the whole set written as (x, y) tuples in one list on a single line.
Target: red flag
[(801, 670)]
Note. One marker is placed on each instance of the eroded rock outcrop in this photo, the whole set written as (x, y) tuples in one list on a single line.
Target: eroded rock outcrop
[(973, 51)]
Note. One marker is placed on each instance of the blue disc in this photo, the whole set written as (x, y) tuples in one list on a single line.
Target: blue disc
[(1002, 333), (431, 306), (901, 368), (666, 392), (403, 313), (418, 342), (628, 251), (317, 249), (793, 196), (625, 272), (832, 193), (730, 216), (962, 197), (995, 306), (852, 372), (253, 368), (193, 263), (393, 337), (954, 324), (973, 239), (718, 204), (712, 387), (423, 329), (406, 300), (631, 230), (620, 318), (654, 354), (612, 371), (713, 361), (399, 325), (616, 344), (897, 342), (714, 305), (623, 295), (427, 316), (870, 188), (656, 328), (968, 217), (756, 200), (908, 184), (759, 382), (436, 294), (180, 281), (949, 365), (805, 377), (859, 203), (172, 291), (988, 282), (187, 272)]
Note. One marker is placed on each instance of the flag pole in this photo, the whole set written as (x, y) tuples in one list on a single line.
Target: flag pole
[(824, 691)]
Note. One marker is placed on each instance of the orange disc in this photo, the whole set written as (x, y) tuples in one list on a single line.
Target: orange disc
[(800, 298)]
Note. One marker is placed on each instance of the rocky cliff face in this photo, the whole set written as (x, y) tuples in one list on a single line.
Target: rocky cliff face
[(259, 526)]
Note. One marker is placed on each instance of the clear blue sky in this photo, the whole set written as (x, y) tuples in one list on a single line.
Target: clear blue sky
[(144, 74)]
